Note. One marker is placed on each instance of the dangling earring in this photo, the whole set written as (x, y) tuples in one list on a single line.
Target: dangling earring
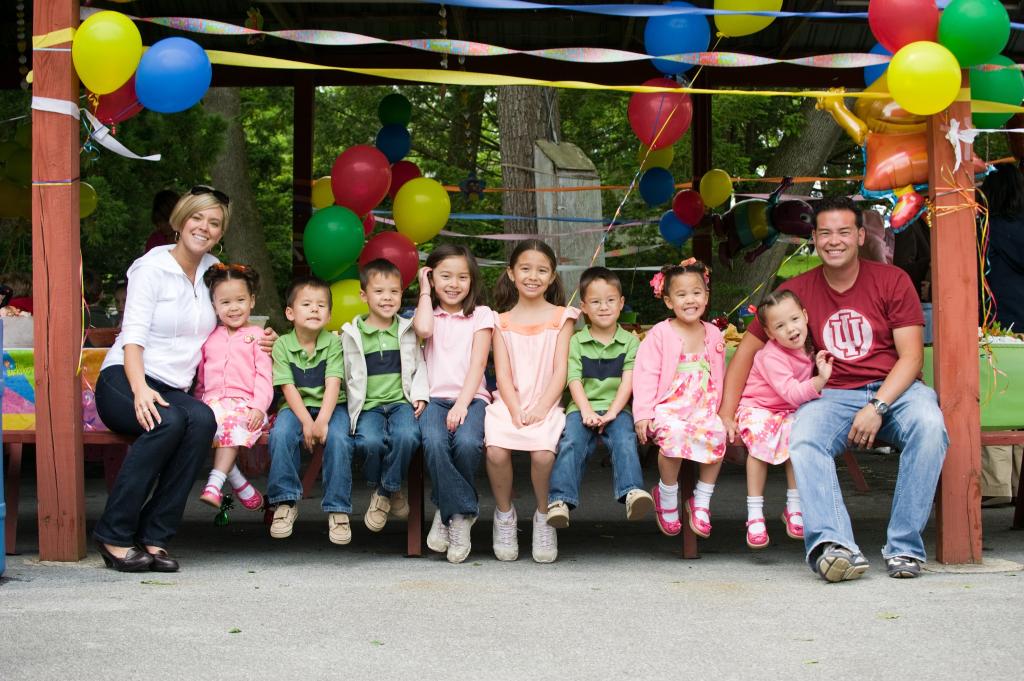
[(177, 235), (221, 251)]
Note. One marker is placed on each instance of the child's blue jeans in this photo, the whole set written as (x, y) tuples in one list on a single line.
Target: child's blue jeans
[(386, 438), (578, 444), (453, 458), (283, 482)]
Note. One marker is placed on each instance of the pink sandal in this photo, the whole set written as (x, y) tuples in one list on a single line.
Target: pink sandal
[(253, 503), (668, 527), (701, 528), (211, 495), (793, 530), (758, 540)]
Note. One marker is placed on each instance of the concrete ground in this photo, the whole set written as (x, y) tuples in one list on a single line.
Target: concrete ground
[(619, 603)]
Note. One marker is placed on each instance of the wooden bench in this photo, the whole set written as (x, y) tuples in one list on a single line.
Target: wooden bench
[(115, 448)]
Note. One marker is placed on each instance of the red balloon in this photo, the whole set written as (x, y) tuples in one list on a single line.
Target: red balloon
[(368, 224), (650, 112), (119, 105), (395, 248), (688, 207), (896, 23), (360, 178), (402, 172)]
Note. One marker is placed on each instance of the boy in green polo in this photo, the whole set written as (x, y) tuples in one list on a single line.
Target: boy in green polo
[(386, 382), (600, 381), (308, 367)]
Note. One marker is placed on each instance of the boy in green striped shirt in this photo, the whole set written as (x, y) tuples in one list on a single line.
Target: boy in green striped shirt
[(600, 381)]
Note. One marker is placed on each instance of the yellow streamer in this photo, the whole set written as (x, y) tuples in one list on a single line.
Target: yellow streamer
[(58, 37)]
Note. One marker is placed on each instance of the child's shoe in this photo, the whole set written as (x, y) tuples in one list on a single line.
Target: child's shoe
[(638, 504), (339, 529), (668, 527), (211, 495), (437, 538), (284, 521), (545, 541), (794, 529), (700, 527), (253, 500), (459, 537), (757, 540), (377, 514), (558, 514), (504, 537), (399, 506)]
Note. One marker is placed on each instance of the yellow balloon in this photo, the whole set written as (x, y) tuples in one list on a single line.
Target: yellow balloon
[(106, 50), (345, 303), (715, 188), (323, 195), (924, 77), (658, 158), (87, 200), (735, 25), (421, 209)]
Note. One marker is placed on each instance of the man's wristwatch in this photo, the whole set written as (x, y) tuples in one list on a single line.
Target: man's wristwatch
[(881, 408)]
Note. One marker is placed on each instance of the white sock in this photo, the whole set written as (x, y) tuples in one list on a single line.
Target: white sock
[(755, 511), (504, 516), (238, 481), (539, 517), (702, 499), (216, 479), (236, 478), (669, 501), (793, 505)]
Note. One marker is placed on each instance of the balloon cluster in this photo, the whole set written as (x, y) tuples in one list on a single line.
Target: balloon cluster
[(16, 179), (335, 239)]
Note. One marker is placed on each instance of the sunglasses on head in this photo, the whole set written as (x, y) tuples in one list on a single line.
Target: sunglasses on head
[(201, 189)]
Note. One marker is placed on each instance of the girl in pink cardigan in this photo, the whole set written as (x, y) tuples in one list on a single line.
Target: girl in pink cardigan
[(779, 382), (677, 387), (234, 380)]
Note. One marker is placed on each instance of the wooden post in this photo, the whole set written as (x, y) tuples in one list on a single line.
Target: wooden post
[(302, 166), (955, 310), (700, 141), (57, 294)]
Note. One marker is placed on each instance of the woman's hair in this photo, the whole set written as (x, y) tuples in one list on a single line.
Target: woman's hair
[(164, 202), (476, 289), (219, 273), (189, 204), (1004, 190), (691, 266), (505, 293), (774, 298)]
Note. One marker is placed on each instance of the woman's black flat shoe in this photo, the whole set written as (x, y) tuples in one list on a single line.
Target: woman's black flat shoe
[(162, 562), (133, 561)]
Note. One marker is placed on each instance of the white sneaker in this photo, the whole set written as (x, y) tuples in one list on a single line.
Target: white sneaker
[(545, 541), (558, 514), (459, 535), (437, 538), (504, 537)]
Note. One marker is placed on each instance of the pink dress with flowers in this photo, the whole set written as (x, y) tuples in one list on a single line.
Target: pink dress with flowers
[(686, 424)]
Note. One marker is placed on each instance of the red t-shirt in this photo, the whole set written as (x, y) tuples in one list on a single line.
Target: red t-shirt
[(856, 326)]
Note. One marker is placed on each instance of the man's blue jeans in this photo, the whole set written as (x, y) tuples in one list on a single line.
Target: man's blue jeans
[(914, 425), (578, 444), (283, 482), (386, 438), (453, 458)]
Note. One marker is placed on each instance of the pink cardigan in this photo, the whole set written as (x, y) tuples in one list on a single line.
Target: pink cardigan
[(234, 366), (780, 379), (656, 363)]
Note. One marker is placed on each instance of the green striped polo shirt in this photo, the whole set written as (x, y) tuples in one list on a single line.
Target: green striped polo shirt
[(309, 372), (383, 364), (599, 367)]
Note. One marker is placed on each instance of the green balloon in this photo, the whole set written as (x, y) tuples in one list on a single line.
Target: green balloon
[(1005, 86), (332, 240), (394, 110), (351, 273), (975, 31)]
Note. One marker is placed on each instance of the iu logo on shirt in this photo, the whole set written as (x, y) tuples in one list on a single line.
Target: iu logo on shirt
[(847, 335)]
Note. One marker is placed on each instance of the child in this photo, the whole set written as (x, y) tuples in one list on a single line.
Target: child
[(387, 390), (600, 378), (309, 368), (234, 380), (531, 351), (779, 382), (457, 332), (677, 384)]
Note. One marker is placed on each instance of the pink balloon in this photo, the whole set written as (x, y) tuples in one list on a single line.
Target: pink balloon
[(688, 207), (896, 23), (650, 112), (395, 248), (368, 224), (402, 172), (119, 105), (360, 178)]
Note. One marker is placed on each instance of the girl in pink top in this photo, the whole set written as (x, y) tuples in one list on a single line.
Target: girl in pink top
[(234, 380), (531, 358), (779, 382), (457, 334), (677, 387)]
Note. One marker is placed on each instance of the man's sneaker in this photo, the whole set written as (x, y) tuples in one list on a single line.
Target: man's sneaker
[(638, 504), (838, 564), (558, 514), (377, 514), (504, 537), (339, 529), (545, 542), (459, 535), (284, 521), (399, 506), (437, 538), (903, 567)]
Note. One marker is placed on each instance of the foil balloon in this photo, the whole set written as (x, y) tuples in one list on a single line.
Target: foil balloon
[(755, 224)]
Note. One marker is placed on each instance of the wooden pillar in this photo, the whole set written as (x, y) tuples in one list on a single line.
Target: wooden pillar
[(700, 139), (302, 166), (57, 294), (955, 311)]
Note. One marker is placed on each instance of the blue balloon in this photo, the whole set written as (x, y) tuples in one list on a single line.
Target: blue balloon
[(676, 34), (173, 75), (873, 73), (674, 230), (394, 142), (657, 186)]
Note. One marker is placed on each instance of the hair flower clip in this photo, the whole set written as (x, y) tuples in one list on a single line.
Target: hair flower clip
[(658, 284)]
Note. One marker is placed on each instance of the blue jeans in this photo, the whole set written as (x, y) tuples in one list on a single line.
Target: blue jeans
[(283, 482), (914, 424), (453, 458), (386, 438), (578, 444)]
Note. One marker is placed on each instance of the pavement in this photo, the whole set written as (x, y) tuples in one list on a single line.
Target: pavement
[(619, 603)]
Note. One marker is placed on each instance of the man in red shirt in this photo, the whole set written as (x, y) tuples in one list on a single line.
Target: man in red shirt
[(868, 316)]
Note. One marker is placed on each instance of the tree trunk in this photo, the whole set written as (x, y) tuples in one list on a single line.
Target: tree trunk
[(464, 133), (244, 241), (525, 114)]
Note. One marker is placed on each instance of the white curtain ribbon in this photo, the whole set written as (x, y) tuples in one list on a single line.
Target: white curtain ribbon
[(955, 136), (101, 133)]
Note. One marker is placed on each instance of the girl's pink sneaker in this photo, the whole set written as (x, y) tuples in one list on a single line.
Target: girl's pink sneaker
[(668, 527), (793, 530), (253, 503), (701, 528), (211, 495), (760, 539)]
